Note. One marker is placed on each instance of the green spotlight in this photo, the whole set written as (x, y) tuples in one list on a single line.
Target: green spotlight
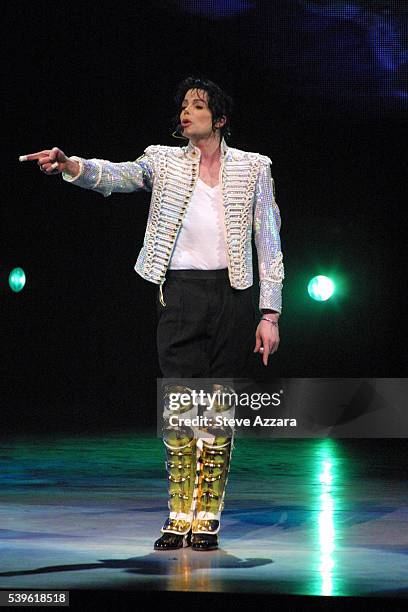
[(320, 288), (17, 279)]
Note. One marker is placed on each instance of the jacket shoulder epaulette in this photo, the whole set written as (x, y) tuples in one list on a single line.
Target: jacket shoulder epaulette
[(238, 154), (262, 158), (154, 149), (265, 159)]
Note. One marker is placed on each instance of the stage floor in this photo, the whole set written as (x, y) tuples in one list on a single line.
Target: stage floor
[(302, 517)]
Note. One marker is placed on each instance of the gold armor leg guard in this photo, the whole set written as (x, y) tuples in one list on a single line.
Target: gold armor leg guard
[(213, 462), (213, 465), (181, 470)]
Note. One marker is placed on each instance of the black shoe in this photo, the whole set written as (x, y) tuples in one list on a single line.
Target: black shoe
[(172, 541), (204, 541)]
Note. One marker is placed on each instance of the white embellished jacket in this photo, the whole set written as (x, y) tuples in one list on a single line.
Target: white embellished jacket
[(170, 173)]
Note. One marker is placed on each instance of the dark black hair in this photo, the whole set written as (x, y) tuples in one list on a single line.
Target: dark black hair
[(219, 102)]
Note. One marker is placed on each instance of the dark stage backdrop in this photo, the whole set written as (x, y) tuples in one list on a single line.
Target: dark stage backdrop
[(318, 87)]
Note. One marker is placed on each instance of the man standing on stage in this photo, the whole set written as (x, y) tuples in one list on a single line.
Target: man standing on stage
[(208, 199)]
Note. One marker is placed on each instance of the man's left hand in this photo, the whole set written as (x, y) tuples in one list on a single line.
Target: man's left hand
[(267, 340)]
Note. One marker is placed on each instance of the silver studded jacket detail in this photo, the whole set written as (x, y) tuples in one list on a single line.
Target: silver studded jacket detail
[(170, 173)]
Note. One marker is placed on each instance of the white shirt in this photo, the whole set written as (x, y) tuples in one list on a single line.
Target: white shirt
[(200, 244)]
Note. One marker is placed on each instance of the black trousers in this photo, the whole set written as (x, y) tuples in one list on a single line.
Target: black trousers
[(207, 328)]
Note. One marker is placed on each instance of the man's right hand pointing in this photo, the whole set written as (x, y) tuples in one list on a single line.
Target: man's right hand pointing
[(53, 161)]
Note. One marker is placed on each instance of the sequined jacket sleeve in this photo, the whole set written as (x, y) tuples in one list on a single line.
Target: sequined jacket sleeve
[(106, 177), (267, 240)]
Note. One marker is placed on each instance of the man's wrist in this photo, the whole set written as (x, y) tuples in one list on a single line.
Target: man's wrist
[(270, 314), (72, 168)]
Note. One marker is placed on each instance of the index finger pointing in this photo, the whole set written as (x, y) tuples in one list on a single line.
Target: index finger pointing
[(33, 156), (266, 355)]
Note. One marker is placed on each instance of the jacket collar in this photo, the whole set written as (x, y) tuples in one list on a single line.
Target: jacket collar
[(194, 152)]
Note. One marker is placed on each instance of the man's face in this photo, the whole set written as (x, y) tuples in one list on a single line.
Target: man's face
[(195, 116)]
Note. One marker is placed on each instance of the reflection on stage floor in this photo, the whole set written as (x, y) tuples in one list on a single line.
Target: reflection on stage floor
[(302, 517)]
